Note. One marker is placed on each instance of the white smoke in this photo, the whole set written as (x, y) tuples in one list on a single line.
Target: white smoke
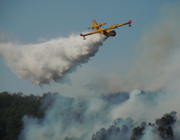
[(67, 117), (49, 61), (82, 117), (149, 106), (150, 135)]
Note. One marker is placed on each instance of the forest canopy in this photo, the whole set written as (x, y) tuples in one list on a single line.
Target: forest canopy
[(14, 106)]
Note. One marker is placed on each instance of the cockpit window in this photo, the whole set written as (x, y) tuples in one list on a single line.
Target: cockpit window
[(112, 32)]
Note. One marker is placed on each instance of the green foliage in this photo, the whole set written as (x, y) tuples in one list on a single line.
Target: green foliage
[(112, 133), (12, 108), (169, 131), (166, 120), (137, 132), (166, 132), (165, 123), (100, 135)]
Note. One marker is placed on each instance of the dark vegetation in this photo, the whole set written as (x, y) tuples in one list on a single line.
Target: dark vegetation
[(163, 128), (13, 106)]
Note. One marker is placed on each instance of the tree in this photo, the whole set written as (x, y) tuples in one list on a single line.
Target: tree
[(100, 135), (165, 123), (169, 132), (166, 120), (13, 106), (137, 132)]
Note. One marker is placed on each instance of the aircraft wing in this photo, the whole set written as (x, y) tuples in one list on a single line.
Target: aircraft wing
[(116, 26), (90, 33)]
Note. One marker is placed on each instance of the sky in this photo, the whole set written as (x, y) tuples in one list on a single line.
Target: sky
[(31, 22)]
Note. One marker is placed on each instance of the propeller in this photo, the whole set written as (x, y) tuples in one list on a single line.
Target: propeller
[(117, 24)]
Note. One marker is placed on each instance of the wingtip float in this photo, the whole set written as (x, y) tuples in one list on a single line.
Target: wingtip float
[(107, 32)]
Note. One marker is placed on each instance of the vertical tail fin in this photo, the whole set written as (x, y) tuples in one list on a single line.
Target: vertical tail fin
[(96, 27)]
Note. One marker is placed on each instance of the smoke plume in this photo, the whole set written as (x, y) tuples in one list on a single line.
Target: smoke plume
[(101, 117), (70, 117), (157, 52), (49, 61)]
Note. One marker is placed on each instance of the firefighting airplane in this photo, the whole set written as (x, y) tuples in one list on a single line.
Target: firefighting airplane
[(107, 32)]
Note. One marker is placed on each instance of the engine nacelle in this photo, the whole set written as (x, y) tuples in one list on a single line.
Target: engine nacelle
[(112, 26), (92, 26)]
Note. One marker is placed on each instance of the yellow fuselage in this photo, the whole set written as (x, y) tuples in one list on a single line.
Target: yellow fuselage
[(107, 32)]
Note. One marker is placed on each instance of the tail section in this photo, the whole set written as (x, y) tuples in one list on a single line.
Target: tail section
[(96, 27)]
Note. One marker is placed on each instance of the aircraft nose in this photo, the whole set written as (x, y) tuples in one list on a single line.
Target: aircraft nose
[(114, 34)]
